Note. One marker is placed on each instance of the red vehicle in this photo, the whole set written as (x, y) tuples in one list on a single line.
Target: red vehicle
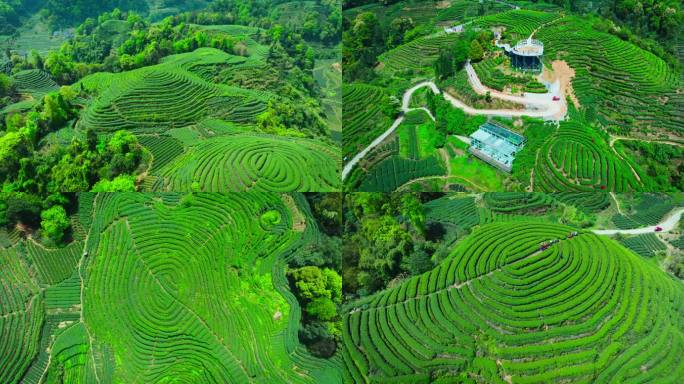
[(556, 98), (658, 229)]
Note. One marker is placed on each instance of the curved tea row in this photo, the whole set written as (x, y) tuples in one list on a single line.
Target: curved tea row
[(250, 162), (575, 159), (502, 308), (180, 288)]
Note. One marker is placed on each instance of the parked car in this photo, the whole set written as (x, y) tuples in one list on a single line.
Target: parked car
[(658, 229), (556, 98)]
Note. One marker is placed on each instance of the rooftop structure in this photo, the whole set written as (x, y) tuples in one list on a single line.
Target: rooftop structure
[(454, 29), (529, 47), (496, 145), (527, 55)]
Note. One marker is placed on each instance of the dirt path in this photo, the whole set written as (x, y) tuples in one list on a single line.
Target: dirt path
[(634, 172), (617, 203), (463, 139), (467, 282), (84, 252), (667, 224), (445, 156), (613, 139), (461, 178)]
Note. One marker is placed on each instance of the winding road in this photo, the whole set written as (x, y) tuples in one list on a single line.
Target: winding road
[(405, 102), (667, 224), (537, 105)]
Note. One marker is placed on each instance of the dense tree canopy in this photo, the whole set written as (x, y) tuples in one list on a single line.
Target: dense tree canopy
[(384, 238), (54, 222), (63, 13)]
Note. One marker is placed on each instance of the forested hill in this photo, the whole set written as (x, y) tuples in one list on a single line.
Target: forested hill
[(652, 18), (122, 102), (319, 22)]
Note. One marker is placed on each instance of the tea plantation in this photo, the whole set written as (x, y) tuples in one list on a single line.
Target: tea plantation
[(610, 82), (502, 309), (162, 288), (221, 149)]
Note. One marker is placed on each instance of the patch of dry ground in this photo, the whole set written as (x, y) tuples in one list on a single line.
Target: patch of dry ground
[(560, 70)]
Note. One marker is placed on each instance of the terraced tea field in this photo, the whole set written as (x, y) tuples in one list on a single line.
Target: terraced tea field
[(416, 55), (502, 309), (406, 155), (249, 162), (648, 211), (629, 87), (34, 83), (596, 84), (163, 287), (362, 116), (328, 75), (202, 134), (577, 159), (170, 95)]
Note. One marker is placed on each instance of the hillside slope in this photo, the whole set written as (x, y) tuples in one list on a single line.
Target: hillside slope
[(500, 309)]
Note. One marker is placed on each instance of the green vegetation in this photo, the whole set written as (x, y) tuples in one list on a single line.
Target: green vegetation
[(660, 162), (367, 111), (380, 287), (644, 209), (577, 159), (609, 69), (453, 320), (248, 162), (417, 54), (646, 245), (624, 87), (210, 290), (511, 294), (223, 98), (54, 223), (411, 153)]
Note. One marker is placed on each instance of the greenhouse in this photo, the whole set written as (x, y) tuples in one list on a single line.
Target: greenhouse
[(496, 145)]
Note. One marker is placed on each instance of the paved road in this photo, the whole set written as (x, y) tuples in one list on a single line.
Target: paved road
[(536, 105), (668, 224), (405, 102)]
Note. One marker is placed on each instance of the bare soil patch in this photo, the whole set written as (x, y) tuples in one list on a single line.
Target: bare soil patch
[(563, 72)]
